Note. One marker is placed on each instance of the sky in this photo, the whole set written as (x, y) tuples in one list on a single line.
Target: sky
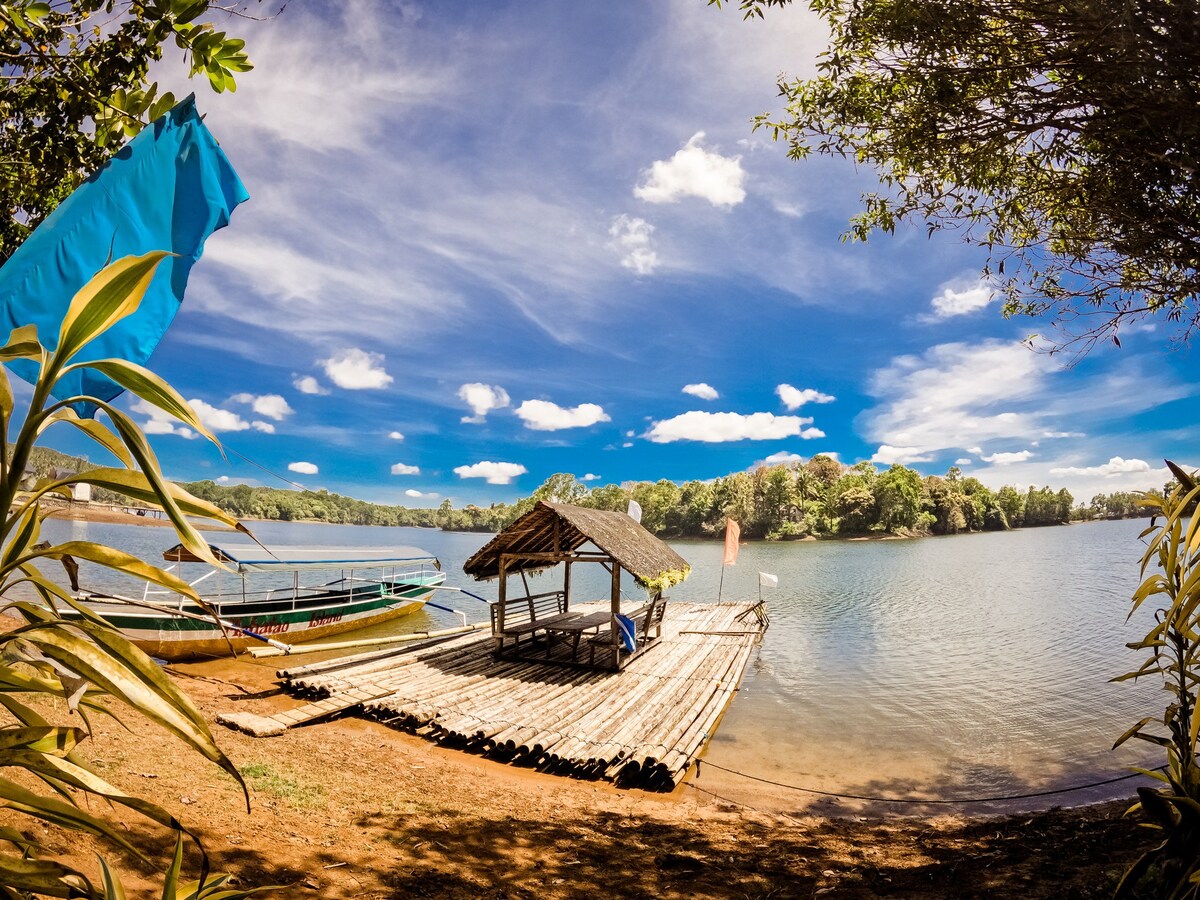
[(491, 242)]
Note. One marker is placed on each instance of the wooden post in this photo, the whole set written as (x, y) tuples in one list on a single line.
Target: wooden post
[(498, 638), (567, 586), (616, 608)]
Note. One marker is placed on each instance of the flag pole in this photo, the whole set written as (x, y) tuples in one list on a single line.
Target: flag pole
[(721, 586)]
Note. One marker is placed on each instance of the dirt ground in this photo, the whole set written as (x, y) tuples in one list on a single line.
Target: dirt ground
[(352, 809)]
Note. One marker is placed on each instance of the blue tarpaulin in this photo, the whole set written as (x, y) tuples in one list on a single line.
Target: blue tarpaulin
[(167, 189)]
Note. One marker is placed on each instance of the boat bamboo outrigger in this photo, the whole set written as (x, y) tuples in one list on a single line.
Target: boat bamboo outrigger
[(301, 593)]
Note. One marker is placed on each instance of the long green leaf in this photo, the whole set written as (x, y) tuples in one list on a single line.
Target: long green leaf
[(43, 877), (120, 561), (113, 889), (113, 293), (59, 812), (93, 429), (22, 344), (115, 665), (143, 383)]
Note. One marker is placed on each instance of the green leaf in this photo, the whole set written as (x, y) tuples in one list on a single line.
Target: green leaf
[(145, 384), (93, 429), (42, 877), (113, 293)]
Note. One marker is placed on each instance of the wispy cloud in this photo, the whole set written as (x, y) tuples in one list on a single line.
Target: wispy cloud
[(303, 468), (631, 238), (1115, 466), (961, 296), (1007, 459)]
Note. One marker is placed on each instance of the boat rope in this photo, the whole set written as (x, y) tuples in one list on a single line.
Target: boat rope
[(259, 465), (937, 800)]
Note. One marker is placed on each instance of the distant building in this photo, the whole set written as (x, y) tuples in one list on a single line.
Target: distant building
[(80, 493)]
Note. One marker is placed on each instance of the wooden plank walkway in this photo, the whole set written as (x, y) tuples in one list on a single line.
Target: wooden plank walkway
[(640, 727)]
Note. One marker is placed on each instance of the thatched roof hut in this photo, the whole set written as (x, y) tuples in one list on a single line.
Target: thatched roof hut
[(553, 533)]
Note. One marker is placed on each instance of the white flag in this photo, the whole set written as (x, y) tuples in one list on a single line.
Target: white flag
[(635, 511), (765, 580)]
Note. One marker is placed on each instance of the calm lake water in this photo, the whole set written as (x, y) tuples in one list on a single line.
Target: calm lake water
[(966, 666)]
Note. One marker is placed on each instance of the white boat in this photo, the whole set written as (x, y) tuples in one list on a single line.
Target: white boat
[(282, 596)]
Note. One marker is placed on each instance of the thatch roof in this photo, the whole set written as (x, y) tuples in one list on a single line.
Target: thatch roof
[(639, 552)]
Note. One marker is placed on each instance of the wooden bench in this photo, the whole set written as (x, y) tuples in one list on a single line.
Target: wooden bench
[(527, 615), (646, 618)]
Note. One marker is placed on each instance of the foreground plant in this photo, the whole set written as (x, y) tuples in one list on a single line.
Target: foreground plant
[(1172, 559), (84, 663)]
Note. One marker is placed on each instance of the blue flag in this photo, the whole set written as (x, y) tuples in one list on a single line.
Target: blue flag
[(167, 189)]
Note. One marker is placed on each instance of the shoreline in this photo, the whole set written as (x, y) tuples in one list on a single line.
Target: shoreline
[(351, 808)]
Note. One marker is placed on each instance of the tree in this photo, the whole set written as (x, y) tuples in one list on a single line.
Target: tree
[(76, 86), (898, 498), (81, 661), (1060, 136)]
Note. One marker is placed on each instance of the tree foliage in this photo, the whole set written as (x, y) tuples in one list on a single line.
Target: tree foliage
[(83, 663), (76, 86), (1060, 136)]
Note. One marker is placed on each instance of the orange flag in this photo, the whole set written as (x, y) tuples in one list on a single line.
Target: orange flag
[(732, 533)]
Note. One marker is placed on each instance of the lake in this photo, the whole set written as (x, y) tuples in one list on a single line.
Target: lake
[(965, 666)]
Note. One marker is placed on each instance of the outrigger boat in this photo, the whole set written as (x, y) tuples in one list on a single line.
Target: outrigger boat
[(272, 594)]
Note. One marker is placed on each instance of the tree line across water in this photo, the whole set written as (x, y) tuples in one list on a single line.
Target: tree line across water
[(817, 498)]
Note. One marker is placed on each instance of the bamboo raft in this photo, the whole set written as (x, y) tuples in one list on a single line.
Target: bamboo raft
[(641, 727)]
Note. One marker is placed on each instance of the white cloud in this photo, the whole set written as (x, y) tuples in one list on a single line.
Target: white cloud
[(631, 238), (701, 390), (715, 428), (264, 427), (958, 395), (482, 398), (272, 406), (304, 468), (590, 477), (889, 456), (782, 458), (493, 472), (961, 296), (395, 435), (963, 461), (1115, 466), (306, 384), (161, 422), (356, 370), (1007, 459), (402, 469), (542, 415), (694, 172), (216, 419), (417, 495), (794, 399)]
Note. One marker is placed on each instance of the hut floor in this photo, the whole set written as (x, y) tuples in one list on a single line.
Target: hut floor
[(640, 727)]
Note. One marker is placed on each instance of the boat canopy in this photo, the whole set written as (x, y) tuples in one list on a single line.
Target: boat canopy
[(251, 558)]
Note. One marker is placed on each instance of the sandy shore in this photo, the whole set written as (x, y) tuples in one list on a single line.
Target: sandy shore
[(87, 512), (353, 809)]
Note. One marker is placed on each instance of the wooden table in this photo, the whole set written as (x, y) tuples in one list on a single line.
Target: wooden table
[(575, 627)]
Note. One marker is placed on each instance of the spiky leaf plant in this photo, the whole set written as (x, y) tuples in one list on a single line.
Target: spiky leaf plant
[(1171, 573), (84, 661)]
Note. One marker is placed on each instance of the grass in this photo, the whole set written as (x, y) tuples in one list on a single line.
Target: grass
[(266, 779)]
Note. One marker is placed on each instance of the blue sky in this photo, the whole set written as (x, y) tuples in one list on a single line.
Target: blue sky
[(490, 242)]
